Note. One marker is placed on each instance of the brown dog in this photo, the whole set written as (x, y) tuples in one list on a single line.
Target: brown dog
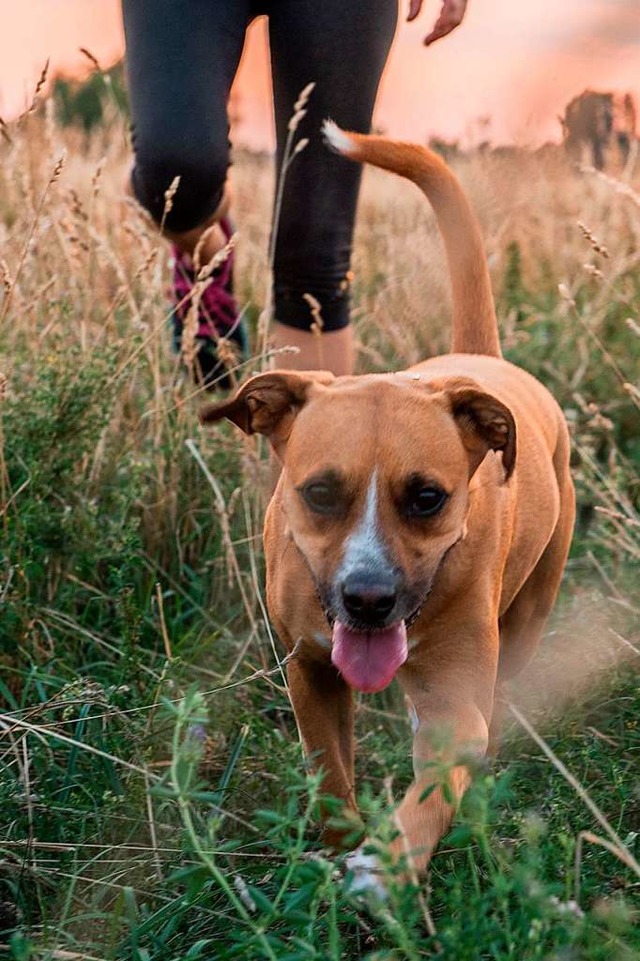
[(419, 528)]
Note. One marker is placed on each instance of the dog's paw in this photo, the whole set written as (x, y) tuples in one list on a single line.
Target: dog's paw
[(364, 876)]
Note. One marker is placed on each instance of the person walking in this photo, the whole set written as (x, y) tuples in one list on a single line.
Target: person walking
[(182, 57)]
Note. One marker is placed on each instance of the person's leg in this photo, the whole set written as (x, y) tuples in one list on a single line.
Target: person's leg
[(182, 56), (341, 47), (214, 235)]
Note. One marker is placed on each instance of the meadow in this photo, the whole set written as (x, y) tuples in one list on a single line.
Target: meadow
[(153, 797)]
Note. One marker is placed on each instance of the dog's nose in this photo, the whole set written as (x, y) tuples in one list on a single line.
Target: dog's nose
[(367, 601)]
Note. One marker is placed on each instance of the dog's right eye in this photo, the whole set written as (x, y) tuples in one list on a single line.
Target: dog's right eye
[(422, 499), (426, 502), (322, 497)]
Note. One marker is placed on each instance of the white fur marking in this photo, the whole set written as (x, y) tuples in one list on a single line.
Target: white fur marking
[(366, 875), (413, 716), (337, 138), (365, 547), (322, 640)]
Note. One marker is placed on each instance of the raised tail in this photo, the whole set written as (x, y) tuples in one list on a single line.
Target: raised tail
[(474, 324)]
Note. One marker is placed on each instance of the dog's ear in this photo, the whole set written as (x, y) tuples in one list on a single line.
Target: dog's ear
[(268, 403), (484, 422)]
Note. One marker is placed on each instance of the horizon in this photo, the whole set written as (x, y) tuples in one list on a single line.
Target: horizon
[(504, 76)]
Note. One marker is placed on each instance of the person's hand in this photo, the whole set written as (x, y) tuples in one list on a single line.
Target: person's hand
[(450, 17)]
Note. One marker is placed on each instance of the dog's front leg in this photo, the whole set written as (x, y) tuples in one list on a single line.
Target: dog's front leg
[(426, 810), (450, 686), (323, 706)]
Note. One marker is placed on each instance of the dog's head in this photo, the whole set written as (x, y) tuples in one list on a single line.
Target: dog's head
[(376, 491)]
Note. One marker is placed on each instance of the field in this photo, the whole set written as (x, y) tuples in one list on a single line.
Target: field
[(153, 798)]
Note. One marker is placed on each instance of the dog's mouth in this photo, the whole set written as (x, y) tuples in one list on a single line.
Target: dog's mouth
[(368, 660), (369, 656)]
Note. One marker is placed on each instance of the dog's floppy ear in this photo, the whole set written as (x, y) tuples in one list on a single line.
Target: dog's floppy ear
[(484, 422), (268, 403)]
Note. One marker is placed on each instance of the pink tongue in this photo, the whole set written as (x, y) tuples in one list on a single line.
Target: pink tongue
[(369, 662)]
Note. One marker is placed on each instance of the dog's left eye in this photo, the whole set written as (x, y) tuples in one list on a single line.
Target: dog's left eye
[(321, 497), (424, 501)]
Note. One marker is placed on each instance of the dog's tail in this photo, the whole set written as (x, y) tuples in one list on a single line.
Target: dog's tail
[(474, 325)]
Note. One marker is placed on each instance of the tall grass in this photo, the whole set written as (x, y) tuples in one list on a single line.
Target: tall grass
[(153, 795)]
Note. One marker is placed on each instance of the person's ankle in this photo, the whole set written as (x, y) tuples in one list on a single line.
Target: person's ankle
[(333, 351), (187, 244)]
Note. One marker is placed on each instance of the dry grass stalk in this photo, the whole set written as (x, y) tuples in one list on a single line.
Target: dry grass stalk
[(291, 150), (42, 79), (91, 58)]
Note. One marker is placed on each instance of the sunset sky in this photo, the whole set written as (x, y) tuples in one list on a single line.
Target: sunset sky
[(517, 61)]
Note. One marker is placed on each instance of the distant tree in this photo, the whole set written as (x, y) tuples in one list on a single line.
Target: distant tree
[(599, 122), (92, 102), (448, 149)]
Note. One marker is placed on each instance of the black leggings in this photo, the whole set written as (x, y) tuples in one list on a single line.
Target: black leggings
[(182, 56)]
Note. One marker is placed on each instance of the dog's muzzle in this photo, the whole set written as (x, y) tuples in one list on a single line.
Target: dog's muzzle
[(369, 604), (369, 632)]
